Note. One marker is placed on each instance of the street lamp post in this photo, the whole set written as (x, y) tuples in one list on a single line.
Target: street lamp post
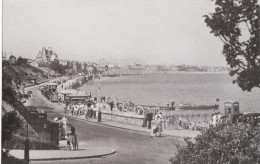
[(99, 100), (27, 147)]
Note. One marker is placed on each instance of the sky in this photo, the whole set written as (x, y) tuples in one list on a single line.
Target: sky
[(141, 31)]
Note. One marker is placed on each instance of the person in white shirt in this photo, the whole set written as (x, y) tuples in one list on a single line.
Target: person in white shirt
[(219, 117), (214, 120), (64, 120), (76, 109)]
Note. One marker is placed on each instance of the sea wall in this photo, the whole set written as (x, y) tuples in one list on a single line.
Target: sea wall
[(123, 118), (81, 81)]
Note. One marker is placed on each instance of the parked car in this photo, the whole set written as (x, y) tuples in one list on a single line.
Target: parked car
[(33, 110), (42, 115)]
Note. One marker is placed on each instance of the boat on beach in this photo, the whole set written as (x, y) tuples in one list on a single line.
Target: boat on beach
[(194, 107)]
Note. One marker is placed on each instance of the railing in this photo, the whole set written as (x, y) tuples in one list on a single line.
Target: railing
[(188, 121), (123, 118), (40, 131)]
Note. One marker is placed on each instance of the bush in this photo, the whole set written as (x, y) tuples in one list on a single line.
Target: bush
[(9, 94), (11, 123), (227, 143)]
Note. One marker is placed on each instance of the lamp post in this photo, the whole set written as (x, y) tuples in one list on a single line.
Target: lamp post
[(99, 100), (27, 147)]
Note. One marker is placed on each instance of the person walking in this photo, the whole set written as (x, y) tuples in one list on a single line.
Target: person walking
[(149, 118), (64, 120), (86, 110), (145, 119), (95, 110), (159, 125)]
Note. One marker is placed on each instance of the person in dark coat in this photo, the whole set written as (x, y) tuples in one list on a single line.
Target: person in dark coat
[(72, 130), (111, 103), (145, 119), (149, 118)]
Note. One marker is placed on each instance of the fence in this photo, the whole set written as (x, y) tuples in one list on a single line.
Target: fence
[(41, 132), (46, 136)]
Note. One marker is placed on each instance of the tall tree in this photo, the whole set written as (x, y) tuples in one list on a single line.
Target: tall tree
[(21, 61), (236, 23)]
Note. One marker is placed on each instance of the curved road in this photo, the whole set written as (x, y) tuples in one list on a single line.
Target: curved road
[(132, 147)]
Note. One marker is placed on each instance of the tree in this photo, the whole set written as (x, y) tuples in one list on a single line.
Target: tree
[(225, 143), (57, 67), (11, 122), (21, 61), (236, 23)]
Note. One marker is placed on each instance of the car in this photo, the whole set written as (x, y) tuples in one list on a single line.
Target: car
[(33, 110), (42, 115)]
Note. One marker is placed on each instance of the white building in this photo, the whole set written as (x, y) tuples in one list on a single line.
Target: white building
[(34, 63)]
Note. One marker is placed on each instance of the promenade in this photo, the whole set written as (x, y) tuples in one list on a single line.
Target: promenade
[(132, 143), (122, 125)]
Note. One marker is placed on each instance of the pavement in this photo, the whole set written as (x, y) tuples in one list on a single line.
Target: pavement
[(121, 125), (85, 151)]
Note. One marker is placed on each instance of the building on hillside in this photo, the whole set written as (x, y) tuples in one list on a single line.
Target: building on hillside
[(34, 63), (63, 62), (82, 65), (4, 56), (12, 59), (46, 55), (74, 66), (137, 67)]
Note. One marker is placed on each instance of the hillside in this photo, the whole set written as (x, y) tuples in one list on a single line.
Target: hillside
[(22, 74)]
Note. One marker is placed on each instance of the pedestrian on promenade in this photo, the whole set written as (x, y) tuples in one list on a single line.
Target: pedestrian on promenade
[(95, 111), (111, 104), (86, 107), (68, 146), (154, 131), (72, 109), (81, 109), (76, 109), (149, 118), (64, 120), (71, 141), (159, 125), (76, 142), (91, 110), (72, 130), (145, 118)]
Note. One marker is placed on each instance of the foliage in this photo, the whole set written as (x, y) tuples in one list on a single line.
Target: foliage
[(95, 70), (11, 122), (57, 67), (79, 69), (9, 94), (21, 61), (225, 143), (236, 23)]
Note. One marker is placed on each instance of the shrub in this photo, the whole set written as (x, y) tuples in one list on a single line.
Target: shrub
[(11, 122), (237, 143)]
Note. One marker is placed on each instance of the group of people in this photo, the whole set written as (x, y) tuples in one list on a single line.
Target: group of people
[(71, 136), (72, 139), (216, 118), (157, 119)]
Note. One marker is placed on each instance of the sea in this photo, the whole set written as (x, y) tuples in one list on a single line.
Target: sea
[(164, 88)]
